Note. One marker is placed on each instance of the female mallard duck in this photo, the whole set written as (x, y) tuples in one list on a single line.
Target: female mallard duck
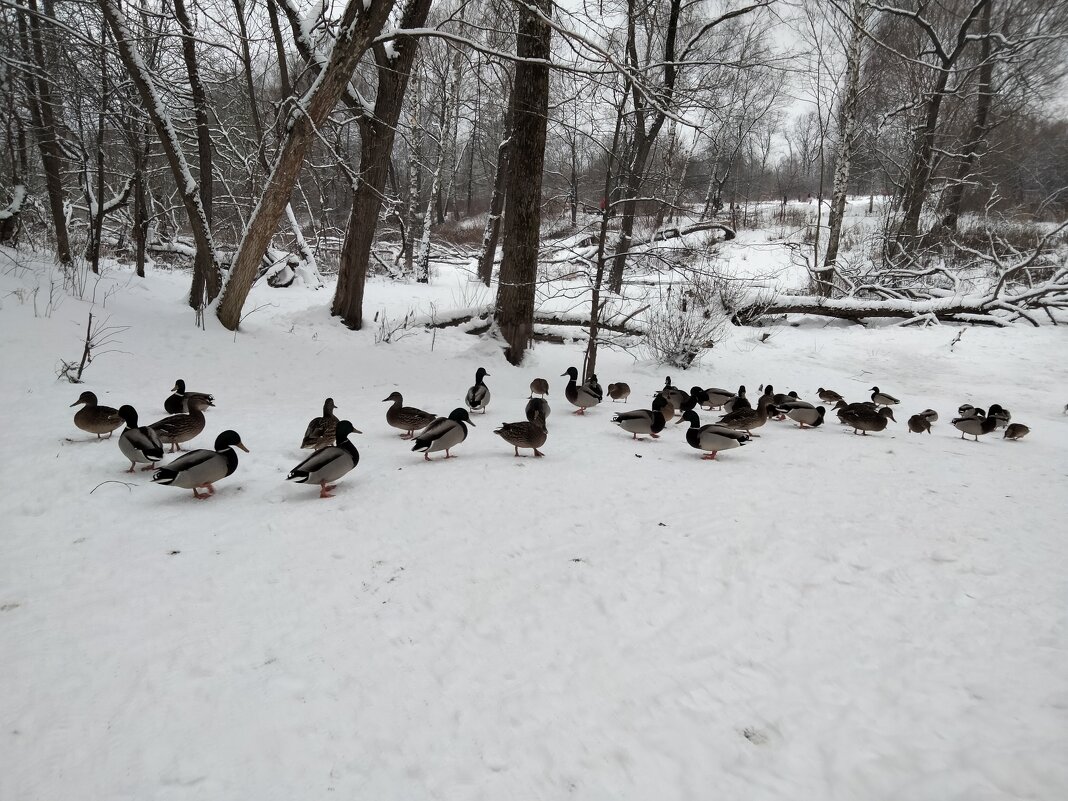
[(406, 418), (580, 396), (714, 397), (443, 434), (975, 426), (539, 386), (478, 397), (864, 418), (930, 415), (528, 434), (748, 419), (918, 423), (738, 402), (842, 407), (828, 395), (138, 444), (711, 438), (179, 428), (321, 430), (1016, 431), (201, 468), (644, 421), (328, 463), (619, 392), (536, 406), (178, 402), (882, 398), (94, 418), (807, 416)]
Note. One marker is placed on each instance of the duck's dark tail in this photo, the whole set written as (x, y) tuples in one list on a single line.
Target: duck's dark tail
[(164, 476)]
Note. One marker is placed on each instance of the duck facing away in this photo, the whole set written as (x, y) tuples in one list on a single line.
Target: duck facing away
[(179, 428), (527, 434), (406, 418), (1001, 415), (330, 462), (675, 396), (200, 469), (443, 434), (536, 406), (138, 443), (863, 418), (539, 386), (711, 438), (644, 421), (94, 418), (975, 426), (737, 402), (178, 402), (582, 397), (1016, 431), (619, 392), (478, 397), (918, 424), (321, 431), (883, 398)]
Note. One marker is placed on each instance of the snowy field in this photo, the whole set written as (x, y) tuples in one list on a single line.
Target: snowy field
[(814, 616)]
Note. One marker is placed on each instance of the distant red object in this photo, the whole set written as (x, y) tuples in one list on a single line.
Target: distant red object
[(603, 203)]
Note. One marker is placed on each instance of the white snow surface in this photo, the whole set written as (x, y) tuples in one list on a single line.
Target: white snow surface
[(816, 615)]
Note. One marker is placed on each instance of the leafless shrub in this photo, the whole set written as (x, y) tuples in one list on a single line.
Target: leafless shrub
[(393, 330), (683, 325), (97, 338)]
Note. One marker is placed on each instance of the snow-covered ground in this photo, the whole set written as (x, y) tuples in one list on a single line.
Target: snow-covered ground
[(816, 615)]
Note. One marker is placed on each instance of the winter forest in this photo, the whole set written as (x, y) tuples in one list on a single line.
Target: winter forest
[(657, 230)]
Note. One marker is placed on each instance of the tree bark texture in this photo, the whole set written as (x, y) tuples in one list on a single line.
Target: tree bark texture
[(514, 313), (376, 147), (500, 190), (357, 30)]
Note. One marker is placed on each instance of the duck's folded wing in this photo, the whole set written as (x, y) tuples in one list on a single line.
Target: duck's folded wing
[(319, 459), (190, 460), (435, 429), (145, 440)]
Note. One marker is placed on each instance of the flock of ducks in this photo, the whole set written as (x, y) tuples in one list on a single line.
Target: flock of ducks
[(334, 454)]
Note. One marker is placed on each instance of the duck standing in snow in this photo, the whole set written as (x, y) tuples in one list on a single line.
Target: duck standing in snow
[(975, 426), (675, 396), (200, 469), (711, 438), (321, 431), (594, 386), (582, 397), (882, 398), (443, 434), (619, 392), (138, 443), (828, 395), (806, 416), (1001, 415), (748, 419), (864, 418), (178, 402), (94, 418), (537, 406), (478, 397), (644, 421), (406, 418), (527, 434), (919, 423), (715, 397), (737, 402), (1016, 431), (330, 462), (539, 386), (179, 428)]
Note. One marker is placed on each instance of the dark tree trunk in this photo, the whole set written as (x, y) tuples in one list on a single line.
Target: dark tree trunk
[(200, 106), (500, 191), (376, 148), (514, 314)]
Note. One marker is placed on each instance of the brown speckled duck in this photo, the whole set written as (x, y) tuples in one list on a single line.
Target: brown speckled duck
[(1016, 431), (322, 431), (179, 428), (406, 418), (527, 434), (94, 418), (862, 418)]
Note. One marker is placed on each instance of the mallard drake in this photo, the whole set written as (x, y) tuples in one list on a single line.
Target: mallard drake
[(619, 392), (1000, 415), (138, 444), (539, 386), (94, 418), (864, 418), (882, 398), (179, 428), (178, 402), (321, 430), (594, 386), (695, 398), (974, 426), (1016, 431), (537, 406), (807, 416), (330, 462), (675, 396), (202, 468), (918, 423), (738, 402), (828, 395), (583, 397), (748, 419), (478, 397), (406, 418), (443, 434), (715, 397), (711, 438), (528, 434), (778, 398), (644, 421)]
